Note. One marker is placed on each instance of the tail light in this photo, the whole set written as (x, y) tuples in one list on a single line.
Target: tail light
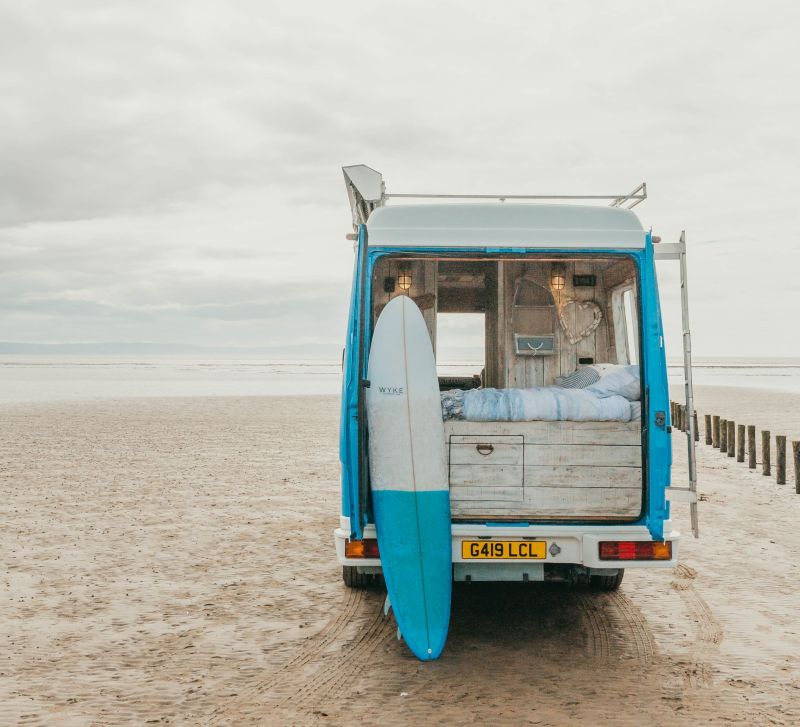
[(367, 548), (635, 550)]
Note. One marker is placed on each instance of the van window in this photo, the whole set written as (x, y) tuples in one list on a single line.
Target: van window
[(460, 343), (631, 326)]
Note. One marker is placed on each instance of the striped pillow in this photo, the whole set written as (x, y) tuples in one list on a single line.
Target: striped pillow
[(579, 379)]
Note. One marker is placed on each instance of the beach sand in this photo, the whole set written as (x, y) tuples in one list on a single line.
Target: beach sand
[(171, 561)]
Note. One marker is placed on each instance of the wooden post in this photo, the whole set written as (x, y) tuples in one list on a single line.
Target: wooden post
[(796, 460), (672, 413), (731, 438), (740, 443), (682, 417), (780, 462), (766, 470), (723, 435), (751, 446), (715, 431), (696, 428), (709, 438)]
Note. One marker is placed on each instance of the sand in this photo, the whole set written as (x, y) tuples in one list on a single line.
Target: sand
[(171, 561)]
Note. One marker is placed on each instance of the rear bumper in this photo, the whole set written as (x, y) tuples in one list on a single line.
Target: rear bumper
[(574, 544)]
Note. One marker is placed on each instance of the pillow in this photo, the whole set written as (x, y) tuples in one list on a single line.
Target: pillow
[(579, 379), (619, 381), (452, 404)]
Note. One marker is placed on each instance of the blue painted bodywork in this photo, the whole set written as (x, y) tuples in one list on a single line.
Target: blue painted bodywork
[(657, 448), (348, 427), (414, 541)]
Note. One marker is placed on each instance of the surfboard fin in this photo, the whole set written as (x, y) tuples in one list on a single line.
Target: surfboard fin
[(387, 606)]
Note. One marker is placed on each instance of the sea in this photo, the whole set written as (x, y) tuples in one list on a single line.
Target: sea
[(32, 378)]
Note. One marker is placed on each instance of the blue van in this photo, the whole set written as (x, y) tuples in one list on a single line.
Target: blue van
[(558, 437)]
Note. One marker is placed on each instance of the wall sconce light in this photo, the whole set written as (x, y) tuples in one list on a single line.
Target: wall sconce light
[(558, 277), (404, 280)]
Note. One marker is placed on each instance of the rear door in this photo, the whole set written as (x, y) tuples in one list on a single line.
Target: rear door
[(654, 366), (352, 431)]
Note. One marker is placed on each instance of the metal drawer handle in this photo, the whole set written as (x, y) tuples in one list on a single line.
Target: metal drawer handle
[(484, 449)]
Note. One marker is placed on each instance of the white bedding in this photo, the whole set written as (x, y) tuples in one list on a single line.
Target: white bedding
[(544, 403), (612, 397)]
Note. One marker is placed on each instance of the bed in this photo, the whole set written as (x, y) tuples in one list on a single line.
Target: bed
[(598, 393)]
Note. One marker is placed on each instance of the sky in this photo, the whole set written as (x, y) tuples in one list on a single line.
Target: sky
[(171, 172)]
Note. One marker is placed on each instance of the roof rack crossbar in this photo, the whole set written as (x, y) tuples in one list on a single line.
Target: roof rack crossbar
[(638, 196), (366, 191), (617, 200)]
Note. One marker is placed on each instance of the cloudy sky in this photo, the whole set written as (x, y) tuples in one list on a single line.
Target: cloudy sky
[(170, 171)]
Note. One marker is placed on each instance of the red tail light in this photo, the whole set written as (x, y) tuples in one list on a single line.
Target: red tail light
[(367, 548), (635, 550)]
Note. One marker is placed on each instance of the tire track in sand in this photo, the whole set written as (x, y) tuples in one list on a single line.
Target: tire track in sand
[(291, 675), (597, 626), (708, 632), (616, 627), (342, 667)]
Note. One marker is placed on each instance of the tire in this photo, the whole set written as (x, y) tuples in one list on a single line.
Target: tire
[(353, 579), (606, 583)]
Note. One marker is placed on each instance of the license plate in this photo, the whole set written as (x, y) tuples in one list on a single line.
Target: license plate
[(504, 549)]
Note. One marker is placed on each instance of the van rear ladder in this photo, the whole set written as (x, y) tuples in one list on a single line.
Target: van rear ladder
[(677, 251)]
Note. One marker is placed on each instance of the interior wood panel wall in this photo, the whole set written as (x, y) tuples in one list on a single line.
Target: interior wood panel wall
[(527, 371), (423, 283)]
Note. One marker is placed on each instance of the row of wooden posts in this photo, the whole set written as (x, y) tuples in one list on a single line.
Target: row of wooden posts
[(729, 438)]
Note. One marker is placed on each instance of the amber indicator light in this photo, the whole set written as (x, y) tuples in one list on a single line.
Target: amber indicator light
[(367, 548)]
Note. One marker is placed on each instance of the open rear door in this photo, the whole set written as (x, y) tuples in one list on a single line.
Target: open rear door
[(366, 192), (352, 435), (677, 251)]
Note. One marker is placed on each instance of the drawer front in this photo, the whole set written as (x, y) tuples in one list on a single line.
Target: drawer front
[(472, 496), (486, 477), (488, 450)]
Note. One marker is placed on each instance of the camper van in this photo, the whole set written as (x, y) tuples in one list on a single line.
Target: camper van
[(557, 445)]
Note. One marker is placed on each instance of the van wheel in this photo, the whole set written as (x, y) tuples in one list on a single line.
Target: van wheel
[(606, 583), (353, 579)]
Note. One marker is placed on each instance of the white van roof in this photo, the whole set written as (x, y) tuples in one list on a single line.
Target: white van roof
[(505, 224)]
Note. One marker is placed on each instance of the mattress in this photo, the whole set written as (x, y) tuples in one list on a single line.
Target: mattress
[(541, 403)]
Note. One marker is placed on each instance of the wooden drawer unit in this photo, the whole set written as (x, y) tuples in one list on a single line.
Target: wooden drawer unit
[(485, 468), (545, 470)]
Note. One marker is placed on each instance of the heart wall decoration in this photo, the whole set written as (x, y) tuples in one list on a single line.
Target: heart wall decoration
[(586, 314)]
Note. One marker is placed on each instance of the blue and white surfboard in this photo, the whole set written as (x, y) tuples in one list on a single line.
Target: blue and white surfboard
[(408, 475)]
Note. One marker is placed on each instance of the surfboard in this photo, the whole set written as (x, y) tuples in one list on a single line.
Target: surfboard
[(408, 476)]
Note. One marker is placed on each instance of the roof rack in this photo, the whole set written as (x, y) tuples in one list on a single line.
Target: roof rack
[(367, 190)]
